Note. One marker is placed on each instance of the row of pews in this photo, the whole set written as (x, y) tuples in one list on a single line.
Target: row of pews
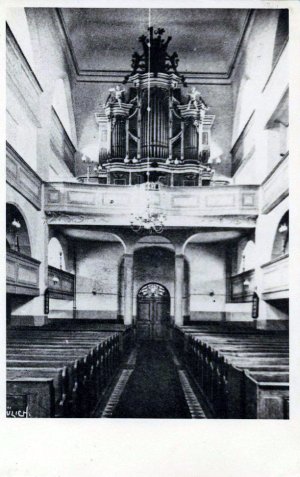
[(242, 373), (62, 369)]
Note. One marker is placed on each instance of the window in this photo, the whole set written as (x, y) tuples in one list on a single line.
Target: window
[(281, 240)]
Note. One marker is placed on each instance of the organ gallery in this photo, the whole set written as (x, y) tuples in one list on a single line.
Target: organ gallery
[(155, 123), (147, 215)]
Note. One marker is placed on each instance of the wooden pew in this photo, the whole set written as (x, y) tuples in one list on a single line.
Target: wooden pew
[(44, 390), (266, 395), (236, 404), (210, 355), (89, 356)]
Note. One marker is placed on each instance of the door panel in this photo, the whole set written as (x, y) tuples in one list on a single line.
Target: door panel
[(143, 325), (159, 327), (153, 318)]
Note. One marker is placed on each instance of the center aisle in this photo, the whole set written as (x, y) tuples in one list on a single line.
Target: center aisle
[(153, 389)]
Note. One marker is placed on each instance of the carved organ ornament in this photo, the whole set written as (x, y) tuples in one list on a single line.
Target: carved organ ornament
[(151, 132)]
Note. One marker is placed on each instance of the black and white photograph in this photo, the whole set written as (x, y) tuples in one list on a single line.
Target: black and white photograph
[(147, 213)]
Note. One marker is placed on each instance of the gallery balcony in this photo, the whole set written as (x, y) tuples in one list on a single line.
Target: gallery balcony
[(61, 284), (22, 274), (275, 278), (94, 204)]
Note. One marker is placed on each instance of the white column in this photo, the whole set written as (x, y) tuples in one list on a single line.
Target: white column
[(179, 277), (128, 288)]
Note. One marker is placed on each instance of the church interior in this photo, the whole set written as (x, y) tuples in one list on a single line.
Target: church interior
[(147, 213)]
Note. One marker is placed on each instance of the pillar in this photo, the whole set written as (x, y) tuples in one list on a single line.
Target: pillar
[(179, 278), (128, 288)]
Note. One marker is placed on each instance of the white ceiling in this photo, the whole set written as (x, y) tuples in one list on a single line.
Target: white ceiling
[(104, 39)]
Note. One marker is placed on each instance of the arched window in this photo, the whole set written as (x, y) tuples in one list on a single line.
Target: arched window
[(281, 241), (56, 256), (60, 104), (248, 257), (282, 33), (153, 290), (17, 237)]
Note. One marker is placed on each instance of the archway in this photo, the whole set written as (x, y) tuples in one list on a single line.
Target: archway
[(56, 257), (153, 312), (17, 237), (281, 240)]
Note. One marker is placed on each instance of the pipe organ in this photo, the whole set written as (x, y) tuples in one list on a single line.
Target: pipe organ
[(153, 130)]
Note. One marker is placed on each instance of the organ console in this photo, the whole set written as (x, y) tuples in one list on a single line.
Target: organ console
[(153, 131)]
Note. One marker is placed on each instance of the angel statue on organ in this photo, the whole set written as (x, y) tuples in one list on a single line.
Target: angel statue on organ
[(194, 98), (115, 95)]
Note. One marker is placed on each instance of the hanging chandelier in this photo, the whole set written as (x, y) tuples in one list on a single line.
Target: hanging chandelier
[(149, 220)]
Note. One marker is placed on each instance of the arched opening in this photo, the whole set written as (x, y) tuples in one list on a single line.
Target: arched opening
[(153, 312), (247, 261), (56, 257), (17, 236), (281, 240)]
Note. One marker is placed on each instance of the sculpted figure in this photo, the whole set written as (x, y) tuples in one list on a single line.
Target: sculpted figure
[(115, 95), (194, 96)]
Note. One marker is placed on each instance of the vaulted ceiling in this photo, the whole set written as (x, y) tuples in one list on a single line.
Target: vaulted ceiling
[(103, 40)]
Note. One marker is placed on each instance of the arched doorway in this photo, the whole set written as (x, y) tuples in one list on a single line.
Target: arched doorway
[(153, 312)]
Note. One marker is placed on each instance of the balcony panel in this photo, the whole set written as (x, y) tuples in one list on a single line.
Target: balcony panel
[(276, 279), (61, 284), (239, 291), (276, 186), (75, 203), (22, 274)]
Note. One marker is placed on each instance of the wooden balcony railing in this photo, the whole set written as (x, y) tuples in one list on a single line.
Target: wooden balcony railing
[(241, 287), (67, 202), (22, 274), (276, 185), (276, 278), (61, 284)]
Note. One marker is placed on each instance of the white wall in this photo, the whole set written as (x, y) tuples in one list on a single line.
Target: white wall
[(98, 270)]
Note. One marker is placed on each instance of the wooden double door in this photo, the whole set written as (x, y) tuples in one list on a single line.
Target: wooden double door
[(153, 313)]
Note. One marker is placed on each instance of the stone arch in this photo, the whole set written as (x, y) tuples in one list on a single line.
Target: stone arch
[(248, 257), (17, 230), (210, 236), (154, 264), (281, 239), (153, 241), (56, 256)]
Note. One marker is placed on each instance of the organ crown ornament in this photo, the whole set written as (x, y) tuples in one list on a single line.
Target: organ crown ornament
[(151, 131), (155, 58)]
